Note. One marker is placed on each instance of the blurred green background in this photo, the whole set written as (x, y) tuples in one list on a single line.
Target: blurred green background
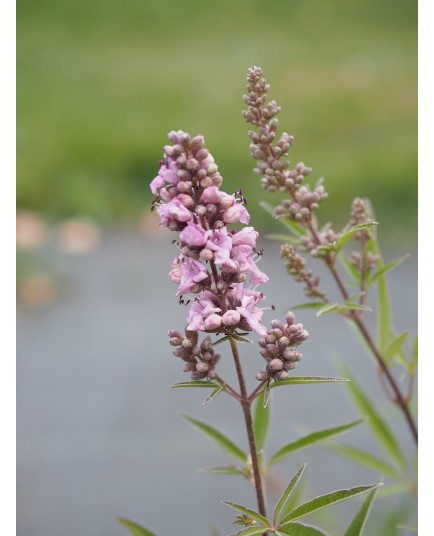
[(101, 83)]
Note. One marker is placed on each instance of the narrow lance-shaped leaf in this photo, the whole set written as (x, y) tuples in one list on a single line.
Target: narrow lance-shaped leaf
[(250, 531), (212, 395), (231, 470), (301, 380), (312, 439), (364, 458), (289, 224), (357, 524), (282, 238), (412, 528), (285, 495), (384, 313), (195, 384), (386, 268), (134, 528), (343, 239), (396, 345), (261, 422), (329, 308), (224, 442), (325, 500), (376, 422), (350, 268), (308, 305), (249, 512), (300, 529)]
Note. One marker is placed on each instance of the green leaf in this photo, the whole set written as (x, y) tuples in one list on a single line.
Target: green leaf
[(377, 424), (261, 422), (285, 495), (350, 268), (223, 339), (289, 224), (354, 307), (300, 380), (312, 439), (309, 305), (413, 362), (395, 346), (343, 239), (134, 528), (282, 238), (412, 528), (224, 442), (363, 458), (230, 470), (325, 500), (250, 531), (249, 512), (386, 268), (267, 394), (357, 524), (216, 392), (329, 308), (195, 383), (239, 338), (300, 529), (384, 314)]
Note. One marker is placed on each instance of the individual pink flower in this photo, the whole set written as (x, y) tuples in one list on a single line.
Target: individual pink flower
[(175, 273), (174, 210), (211, 195), (192, 272), (246, 236), (167, 173), (202, 308), (221, 243), (194, 235), (243, 255)]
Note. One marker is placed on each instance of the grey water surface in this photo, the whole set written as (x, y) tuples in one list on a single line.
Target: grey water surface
[(98, 428)]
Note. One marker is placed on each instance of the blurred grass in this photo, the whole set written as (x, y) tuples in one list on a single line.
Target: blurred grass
[(101, 83)]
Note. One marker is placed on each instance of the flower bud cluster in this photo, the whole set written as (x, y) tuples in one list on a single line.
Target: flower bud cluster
[(359, 215), (364, 263), (278, 348), (201, 360), (271, 156), (295, 264)]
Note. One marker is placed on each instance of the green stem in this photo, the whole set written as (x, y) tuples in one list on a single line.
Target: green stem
[(246, 407)]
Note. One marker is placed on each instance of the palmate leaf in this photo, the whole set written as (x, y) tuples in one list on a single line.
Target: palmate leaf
[(325, 500), (312, 439), (300, 529), (224, 442), (249, 513), (301, 380), (134, 528), (357, 524), (285, 495), (377, 424), (261, 422)]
